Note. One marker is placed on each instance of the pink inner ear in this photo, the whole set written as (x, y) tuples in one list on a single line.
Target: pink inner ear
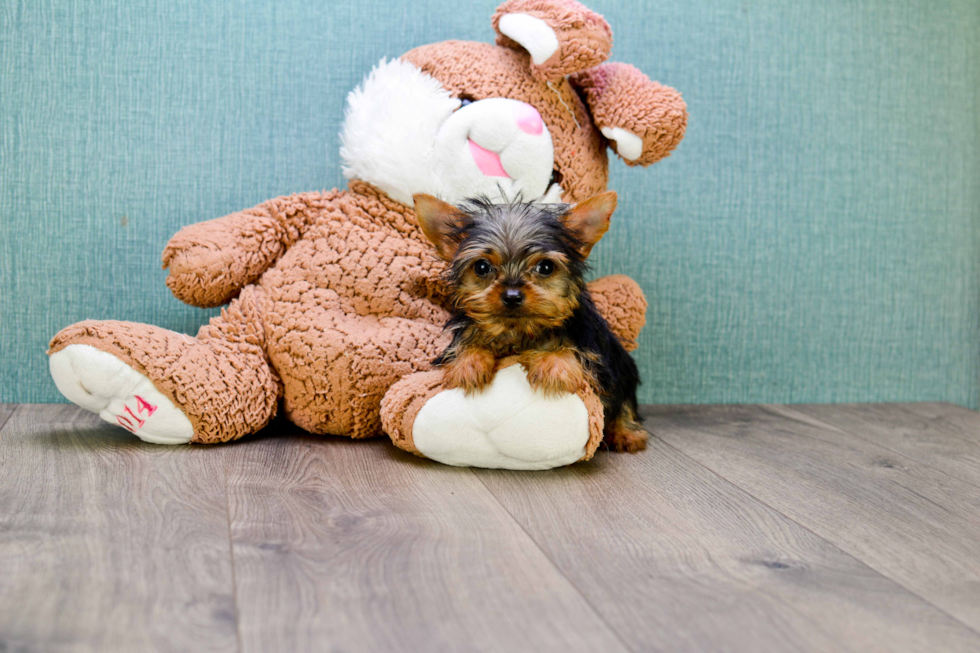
[(488, 162)]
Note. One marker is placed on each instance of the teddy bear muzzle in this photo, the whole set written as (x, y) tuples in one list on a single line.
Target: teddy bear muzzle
[(497, 147)]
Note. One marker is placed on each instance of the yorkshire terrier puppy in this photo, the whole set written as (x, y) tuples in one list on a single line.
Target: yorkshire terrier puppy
[(517, 276)]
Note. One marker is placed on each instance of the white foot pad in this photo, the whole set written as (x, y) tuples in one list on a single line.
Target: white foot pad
[(507, 426), (103, 384)]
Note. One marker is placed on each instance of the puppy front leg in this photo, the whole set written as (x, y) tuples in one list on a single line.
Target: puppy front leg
[(554, 372), (472, 370)]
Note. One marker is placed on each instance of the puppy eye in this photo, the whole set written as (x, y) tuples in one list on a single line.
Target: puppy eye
[(544, 267), (482, 267)]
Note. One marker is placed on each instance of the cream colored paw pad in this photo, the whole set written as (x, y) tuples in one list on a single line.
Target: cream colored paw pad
[(507, 426), (100, 382)]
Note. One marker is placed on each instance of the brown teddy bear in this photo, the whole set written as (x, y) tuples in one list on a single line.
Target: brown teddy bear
[(335, 296)]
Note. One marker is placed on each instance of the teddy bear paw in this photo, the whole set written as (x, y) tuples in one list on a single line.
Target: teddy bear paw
[(509, 425), (99, 382)]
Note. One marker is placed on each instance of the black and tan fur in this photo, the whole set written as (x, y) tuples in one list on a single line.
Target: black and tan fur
[(517, 275)]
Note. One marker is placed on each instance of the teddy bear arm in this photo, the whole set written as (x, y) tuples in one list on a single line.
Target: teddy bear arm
[(209, 262), (621, 302)]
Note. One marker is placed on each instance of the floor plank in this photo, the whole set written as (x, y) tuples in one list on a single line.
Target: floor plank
[(677, 559), (932, 435), (742, 528), (961, 419), (344, 545), (904, 519), (6, 410), (955, 420), (108, 544)]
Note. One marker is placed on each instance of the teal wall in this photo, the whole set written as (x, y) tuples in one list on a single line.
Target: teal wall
[(815, 238)]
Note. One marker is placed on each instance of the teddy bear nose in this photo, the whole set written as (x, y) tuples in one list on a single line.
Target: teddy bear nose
[(513, 298), (528, 118)]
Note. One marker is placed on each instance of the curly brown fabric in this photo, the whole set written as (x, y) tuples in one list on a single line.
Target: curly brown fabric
[(221, 379), (622, 96), (210, 261), (402, 403), (584, 37), (620, 300)]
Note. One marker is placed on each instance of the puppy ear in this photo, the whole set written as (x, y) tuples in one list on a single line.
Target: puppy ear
[(589, 220), (439, 221), (643, 120), (562, 36)]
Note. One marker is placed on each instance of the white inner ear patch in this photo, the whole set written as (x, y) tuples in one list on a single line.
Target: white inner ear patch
[(532, 33), (628, 145)]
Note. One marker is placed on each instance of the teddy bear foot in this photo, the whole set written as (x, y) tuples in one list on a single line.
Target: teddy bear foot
[(99, 382), (509, 425)]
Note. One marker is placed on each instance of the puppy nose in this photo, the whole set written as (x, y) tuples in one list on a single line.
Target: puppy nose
[(513, 298), (528, 119)]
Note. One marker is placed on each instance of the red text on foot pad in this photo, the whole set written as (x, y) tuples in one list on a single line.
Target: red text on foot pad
[(132, 421)]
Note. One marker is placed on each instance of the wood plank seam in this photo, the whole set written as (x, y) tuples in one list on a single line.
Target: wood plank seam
[(108, 544), (919, 409), (844, 551), (378, 550), (805, 418), (817, 535), (554, 564), (231, 557), (6, 419)]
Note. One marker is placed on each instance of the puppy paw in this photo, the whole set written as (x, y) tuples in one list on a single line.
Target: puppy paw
[(554, 372), (472, 371), (626, 438)]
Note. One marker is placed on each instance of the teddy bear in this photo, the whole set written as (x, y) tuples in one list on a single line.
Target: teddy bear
[(335, 302)]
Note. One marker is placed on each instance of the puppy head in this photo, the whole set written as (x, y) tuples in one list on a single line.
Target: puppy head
[(515, 266)]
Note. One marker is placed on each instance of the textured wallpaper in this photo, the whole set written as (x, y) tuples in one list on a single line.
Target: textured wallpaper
[(815, 238)]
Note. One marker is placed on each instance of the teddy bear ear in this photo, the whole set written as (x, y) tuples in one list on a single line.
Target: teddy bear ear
[(562, 36), (643, 120)]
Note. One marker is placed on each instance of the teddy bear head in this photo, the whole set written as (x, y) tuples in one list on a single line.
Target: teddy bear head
[(529, 117)]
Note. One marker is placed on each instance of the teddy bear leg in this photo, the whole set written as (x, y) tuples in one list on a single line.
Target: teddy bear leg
[(353, 364), (507, 426), (166, 387)]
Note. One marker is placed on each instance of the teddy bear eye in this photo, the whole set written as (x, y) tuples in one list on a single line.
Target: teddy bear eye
[(544, 267), (482, 267)]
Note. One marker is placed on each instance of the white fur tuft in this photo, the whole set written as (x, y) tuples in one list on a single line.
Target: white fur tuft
[(390, 128)]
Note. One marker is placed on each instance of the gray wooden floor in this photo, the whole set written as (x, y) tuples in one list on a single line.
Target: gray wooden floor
[(741, 528)]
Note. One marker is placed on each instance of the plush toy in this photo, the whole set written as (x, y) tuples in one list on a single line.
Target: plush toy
[(335, 297)]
